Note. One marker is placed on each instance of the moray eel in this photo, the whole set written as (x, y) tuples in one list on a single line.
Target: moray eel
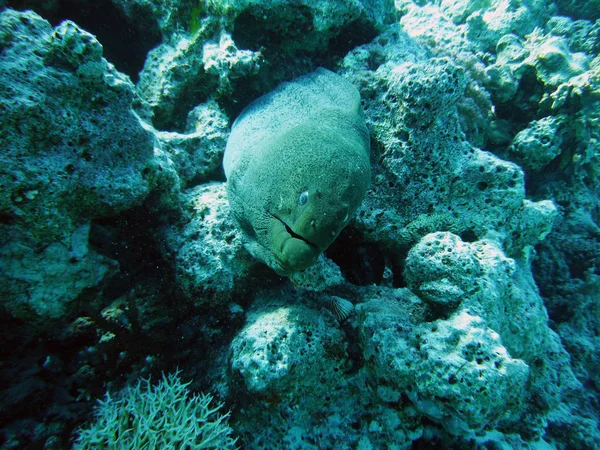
[(297, 168)]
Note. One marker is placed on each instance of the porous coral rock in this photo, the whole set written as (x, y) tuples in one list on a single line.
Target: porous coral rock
[(282, 346), (446, 272), (323, 275), (538, 144), (40, 286), (226, 61), (547, 56), (167, 79), (531, 227), (386, 318), (210, 262), (215, 48), (287, 354), (429, 177), (293, 365), (581, 35), (69, 131), (503, 17), (456, 371), (73, 151), (442, 269), (504, 75), (554, 62), (419, 86), (466, 376), (470, 286), (186, 158)]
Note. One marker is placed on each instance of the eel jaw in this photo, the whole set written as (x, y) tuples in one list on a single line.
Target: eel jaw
[(293, 234), (294, 252)]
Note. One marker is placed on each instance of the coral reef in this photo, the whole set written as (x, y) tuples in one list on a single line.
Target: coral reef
[(209, 260), (73, 151), (458, 309)]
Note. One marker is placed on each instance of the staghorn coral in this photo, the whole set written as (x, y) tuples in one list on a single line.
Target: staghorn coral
[(155, 418)]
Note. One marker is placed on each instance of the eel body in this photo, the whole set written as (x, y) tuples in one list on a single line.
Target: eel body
[(297, 168)]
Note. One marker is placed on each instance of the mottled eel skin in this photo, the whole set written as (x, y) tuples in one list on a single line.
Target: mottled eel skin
[(297, 167)]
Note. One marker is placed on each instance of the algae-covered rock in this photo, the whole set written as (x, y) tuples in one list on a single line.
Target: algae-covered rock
[(73, 150), (240, 48), (69, 266), (429, 177), (466, 378), (180, 75), (285, 355), (554, 62), (538, 144), (73, 146), (442, 270), (476, 288), (295, 368), (455, 371), (195, 154), (286, 346), (209, 261)]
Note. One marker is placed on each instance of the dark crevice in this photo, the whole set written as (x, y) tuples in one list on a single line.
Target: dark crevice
[(291, 47), (468, 236), (129, 239), (173, 116), (7, 218), (397, 266), (354, 34), (521, 109), (361, 263), (126, 43), (257, 28)]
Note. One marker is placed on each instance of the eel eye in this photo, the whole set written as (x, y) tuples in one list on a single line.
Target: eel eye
[(303, 198)]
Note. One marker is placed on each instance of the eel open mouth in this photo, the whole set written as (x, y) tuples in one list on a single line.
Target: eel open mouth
[(293, 233)]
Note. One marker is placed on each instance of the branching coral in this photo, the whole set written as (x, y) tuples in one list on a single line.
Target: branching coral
[(157, 417)]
